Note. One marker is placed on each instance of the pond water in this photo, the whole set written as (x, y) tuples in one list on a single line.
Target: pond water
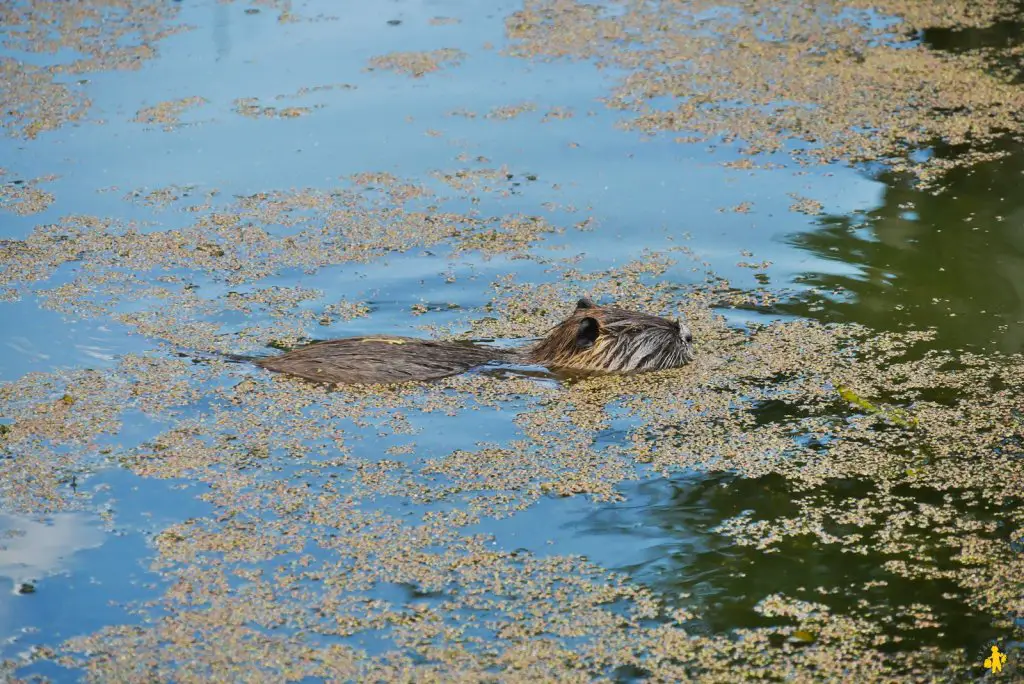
[(831, 491)]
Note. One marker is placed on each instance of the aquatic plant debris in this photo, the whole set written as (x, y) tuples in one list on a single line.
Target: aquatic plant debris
[(714, 426), (418, 64), (849, 80), (813, 501), (24, 197), (168, 113), (895, 415), (39, 98)]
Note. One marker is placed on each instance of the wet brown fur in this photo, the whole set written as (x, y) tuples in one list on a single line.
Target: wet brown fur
[(380, 359), (613, 340), (593, 338)]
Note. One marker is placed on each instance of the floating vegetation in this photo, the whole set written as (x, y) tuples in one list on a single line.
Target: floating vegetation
[(757, 75), (168, 113), (807, 500), (895, 416), (417, 64)]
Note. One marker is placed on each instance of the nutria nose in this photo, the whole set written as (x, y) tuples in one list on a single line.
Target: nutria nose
[(688, 337)]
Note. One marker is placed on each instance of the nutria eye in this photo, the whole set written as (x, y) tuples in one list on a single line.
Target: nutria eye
[(586, 333), (585, 303)]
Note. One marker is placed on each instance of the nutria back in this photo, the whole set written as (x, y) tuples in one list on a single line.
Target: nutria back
[(380, 359)]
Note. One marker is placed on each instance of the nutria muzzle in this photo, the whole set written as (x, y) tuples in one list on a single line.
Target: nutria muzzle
[(593, 339)]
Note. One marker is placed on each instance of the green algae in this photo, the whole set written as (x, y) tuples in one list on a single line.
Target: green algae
[(895, 416)]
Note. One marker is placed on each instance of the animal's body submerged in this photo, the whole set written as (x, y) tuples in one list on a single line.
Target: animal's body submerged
[(593, 338)]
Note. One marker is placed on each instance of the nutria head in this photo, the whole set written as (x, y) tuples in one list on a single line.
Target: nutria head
[(606, 338)]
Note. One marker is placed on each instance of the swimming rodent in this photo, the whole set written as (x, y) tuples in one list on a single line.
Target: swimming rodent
[(593, 338)]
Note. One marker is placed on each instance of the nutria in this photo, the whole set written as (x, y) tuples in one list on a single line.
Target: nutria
[(593, 338)]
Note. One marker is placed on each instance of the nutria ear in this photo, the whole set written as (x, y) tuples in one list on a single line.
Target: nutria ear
[(585, 303), (586, 333)]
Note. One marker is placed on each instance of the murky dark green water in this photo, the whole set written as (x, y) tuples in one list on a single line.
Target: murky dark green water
[(881, 253), (949, 262)]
